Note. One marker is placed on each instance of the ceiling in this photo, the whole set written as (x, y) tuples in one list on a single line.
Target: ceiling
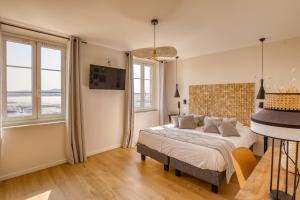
[(194, 27)]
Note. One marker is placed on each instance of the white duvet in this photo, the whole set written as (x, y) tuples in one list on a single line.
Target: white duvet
[(199, 156)]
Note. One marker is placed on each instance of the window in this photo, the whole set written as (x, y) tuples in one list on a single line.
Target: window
[(143, 85), (33, 82), (51, 83)]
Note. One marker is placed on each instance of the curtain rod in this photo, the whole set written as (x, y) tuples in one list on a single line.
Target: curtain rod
[(37, 31)]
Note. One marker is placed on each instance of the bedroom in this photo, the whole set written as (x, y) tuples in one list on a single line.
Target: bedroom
[(217, 43)]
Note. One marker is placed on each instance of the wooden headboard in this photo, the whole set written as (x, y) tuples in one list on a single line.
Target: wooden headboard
[(223, 100)]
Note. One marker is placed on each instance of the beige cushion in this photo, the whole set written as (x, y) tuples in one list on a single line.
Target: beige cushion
[(187, 122), (199, 120), (231, 120), (175, 121), (211, 125), (227, 129)]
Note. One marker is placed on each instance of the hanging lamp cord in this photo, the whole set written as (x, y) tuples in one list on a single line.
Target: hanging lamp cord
[(176, 69), (154, 36), (262, 59)]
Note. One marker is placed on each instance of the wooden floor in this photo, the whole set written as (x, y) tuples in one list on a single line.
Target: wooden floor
[(116, 174)]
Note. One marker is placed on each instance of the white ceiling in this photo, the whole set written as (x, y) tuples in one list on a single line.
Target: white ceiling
[(194, 27)]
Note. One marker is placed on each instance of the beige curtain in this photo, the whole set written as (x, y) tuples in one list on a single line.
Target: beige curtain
[(163, 113), (75, 143), (129, 105), (1, 71)]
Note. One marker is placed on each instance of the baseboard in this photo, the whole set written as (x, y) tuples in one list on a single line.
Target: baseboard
[(32, 169), (101, 150)]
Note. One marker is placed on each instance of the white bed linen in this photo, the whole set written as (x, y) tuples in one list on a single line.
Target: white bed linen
[(199, 156)]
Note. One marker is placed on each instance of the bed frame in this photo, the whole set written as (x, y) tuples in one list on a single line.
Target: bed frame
[(146, 151), (215, 178)]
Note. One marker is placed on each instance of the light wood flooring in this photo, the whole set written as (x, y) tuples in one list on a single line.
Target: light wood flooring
[(116, 174)]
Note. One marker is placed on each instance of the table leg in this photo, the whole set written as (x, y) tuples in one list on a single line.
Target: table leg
[(265, 144)]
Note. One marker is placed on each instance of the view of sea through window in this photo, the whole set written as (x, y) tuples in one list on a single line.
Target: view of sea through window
[(50, 81), (20, 78)]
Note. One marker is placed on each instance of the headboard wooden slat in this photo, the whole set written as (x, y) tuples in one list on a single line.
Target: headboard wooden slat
[(223, 100)]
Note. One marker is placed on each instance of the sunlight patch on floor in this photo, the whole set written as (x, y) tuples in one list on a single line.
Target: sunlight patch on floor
[(42, 196)]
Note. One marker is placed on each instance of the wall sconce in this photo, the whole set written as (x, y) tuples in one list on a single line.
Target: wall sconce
[(184, 106)]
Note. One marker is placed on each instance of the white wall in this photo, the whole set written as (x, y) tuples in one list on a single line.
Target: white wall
[(30, 148), (103, 110), (145, 120), (237, 66)]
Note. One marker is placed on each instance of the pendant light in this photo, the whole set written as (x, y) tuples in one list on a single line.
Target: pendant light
[(261, 92), (177, 95), (156, 53)]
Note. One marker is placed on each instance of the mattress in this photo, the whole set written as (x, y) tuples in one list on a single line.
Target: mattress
[(196, 155)]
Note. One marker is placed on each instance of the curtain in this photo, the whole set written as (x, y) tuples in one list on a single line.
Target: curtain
[(1, 71), (75, 142), (129, 105), (163, 113)]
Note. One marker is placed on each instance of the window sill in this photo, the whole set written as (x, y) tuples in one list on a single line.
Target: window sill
[(145, 110), (9, 125)]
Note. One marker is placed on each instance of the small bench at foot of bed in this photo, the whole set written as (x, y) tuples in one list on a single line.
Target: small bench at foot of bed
[(213, 177)]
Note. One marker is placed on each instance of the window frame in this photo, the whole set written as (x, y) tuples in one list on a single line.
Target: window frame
[(150, 64), (36, 117)]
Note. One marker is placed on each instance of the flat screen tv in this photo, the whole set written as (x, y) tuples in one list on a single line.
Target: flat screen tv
[(107, 78)]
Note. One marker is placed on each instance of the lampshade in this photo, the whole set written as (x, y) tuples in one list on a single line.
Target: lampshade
[(261, 92), (277, 124), (280, 118), (176, 95)]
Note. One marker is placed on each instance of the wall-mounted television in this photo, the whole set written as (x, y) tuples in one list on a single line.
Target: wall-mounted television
[(107, 78)]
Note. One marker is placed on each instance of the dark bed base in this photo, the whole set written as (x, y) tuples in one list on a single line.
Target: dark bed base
[(213, 177), (146, 151)]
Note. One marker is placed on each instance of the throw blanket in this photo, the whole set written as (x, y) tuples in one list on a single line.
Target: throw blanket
[(223, 146)]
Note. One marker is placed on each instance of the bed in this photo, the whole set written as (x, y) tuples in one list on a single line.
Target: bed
[(188, 157), (206, 163)]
